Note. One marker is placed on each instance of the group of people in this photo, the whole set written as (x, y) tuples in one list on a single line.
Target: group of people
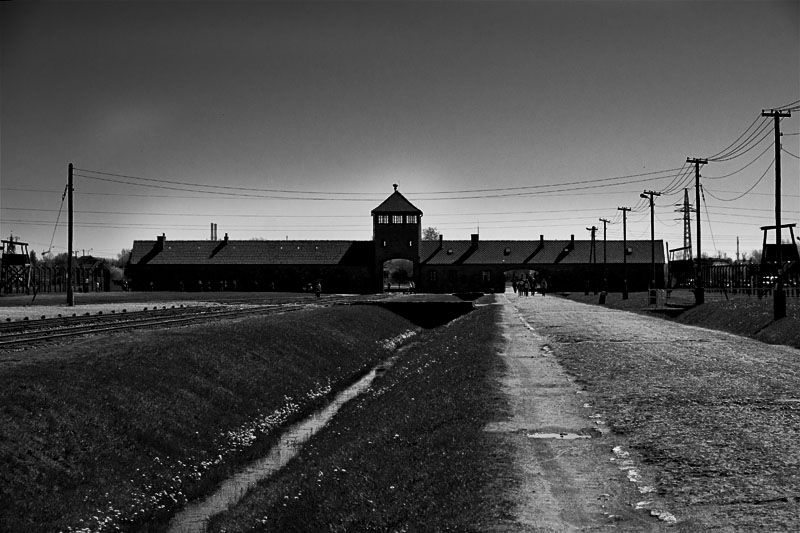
[(528, 286)]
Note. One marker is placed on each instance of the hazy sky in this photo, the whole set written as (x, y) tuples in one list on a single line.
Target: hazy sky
[(294, 119)]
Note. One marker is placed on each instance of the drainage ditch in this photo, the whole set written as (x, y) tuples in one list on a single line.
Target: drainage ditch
[(194, 517)]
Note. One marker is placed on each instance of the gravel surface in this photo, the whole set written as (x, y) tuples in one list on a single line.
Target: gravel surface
[(710, 418)]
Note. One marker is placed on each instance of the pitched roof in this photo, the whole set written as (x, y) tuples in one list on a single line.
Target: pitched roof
[(343, 253), (534, 252), (396, 203)]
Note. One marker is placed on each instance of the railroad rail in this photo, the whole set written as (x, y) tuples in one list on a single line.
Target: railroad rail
[(25, 332)]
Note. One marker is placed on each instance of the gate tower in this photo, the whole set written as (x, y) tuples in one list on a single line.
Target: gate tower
[(396, 233)]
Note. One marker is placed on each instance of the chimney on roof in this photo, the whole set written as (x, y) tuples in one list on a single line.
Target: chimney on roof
[(571, 245), (226, 237), (160, 241), (541, 240), (474, 241), (441, 241)]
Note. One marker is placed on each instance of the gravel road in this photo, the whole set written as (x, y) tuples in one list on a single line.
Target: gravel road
[(691, 429)]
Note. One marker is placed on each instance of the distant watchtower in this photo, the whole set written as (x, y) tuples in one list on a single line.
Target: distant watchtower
[(396, 230), (15, 266)]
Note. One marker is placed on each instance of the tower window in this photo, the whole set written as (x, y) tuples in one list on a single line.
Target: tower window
[(411, 219), (410, 244), (397, 219), (383, 219)]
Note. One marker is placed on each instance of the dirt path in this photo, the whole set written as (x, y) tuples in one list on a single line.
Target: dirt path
[(572, 479)]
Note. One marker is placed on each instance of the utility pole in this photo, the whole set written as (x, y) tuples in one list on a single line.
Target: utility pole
[(605, 273), (70, 294), (699, 292), (624, 251), (645, 195), (780, 295), (593, 258)]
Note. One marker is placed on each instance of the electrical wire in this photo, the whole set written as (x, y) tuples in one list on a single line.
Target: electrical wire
[(755, 120), (708, 218), (676, 183), (55, 227), (793, 104), (748, 190), (285, 191), (222, 193), (482, 196), (764, 131), (742, 168), (790, 153)]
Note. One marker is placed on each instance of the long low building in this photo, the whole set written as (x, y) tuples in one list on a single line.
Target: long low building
[(358, 266)]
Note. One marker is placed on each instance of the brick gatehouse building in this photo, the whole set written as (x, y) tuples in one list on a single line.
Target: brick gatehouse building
[(358, 266)]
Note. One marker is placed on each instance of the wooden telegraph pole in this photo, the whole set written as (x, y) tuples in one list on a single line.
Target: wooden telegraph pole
[(780, 295), (646, 195), (624, 251), (593, 259), (605, 273), (699, 292), (70, 293)]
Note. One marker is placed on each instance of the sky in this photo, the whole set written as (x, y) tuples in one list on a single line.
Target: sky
[(292, 120)]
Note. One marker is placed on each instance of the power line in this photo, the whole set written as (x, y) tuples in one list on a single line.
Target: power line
[(793, 104), (680, 181), (745, 193), (742, 168), (790, 153), (58, 217), (755, 120), (222, 193), (740, 150), (708, 218), (287, 191)]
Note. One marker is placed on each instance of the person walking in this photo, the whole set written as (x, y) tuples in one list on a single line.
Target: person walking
[(544, 286)]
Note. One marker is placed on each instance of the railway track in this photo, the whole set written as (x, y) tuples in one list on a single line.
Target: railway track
[(27, 332)]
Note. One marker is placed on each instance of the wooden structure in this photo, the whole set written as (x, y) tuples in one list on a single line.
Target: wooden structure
[(15, 266)]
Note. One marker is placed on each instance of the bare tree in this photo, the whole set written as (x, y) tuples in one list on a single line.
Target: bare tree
[(122, 258), (430, 234)]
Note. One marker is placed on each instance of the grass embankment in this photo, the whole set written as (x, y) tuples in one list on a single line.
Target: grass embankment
[(121, 430), (740, 314), (409, 455)]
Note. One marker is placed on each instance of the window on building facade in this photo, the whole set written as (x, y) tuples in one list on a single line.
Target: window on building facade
[(431, 275), (397, 219), (410, 244), (383, 219), (411, 219), (486, 275)]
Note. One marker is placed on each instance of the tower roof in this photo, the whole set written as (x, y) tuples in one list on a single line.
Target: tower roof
[(396, 203)]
